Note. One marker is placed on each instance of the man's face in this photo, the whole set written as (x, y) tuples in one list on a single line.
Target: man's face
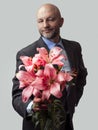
[(49, 23)]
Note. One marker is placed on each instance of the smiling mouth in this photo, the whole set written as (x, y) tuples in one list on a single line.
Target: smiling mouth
[(47, 31)]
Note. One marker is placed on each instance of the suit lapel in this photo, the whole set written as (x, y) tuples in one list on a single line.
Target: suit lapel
[(42, 44)]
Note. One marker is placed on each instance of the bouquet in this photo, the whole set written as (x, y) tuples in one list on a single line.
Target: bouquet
[(43, 77)]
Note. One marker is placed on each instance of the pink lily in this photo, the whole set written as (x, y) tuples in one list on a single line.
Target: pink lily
[(27, 63), (53, 57), (43, 53), (64, 77), (51, 82), (30, 83), (25, 78), (54, 82), (39, 61), (26, 60), (28, 91)]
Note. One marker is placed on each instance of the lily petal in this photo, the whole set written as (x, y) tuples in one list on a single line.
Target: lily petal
[(37, 92), (30, 69), (24, 76), (46, 94), (58, 59), (68, 77), (61, 77), (38, 83), (22, 84), (38, 60), (55, 90), (54, 52), (26, 60), (50, 71), (40, 73), (27, 92), (43, 52)]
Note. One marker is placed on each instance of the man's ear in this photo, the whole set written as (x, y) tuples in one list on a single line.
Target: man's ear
[(61, 22)]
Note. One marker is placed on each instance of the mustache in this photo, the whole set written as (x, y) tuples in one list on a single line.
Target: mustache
[(47, 29)]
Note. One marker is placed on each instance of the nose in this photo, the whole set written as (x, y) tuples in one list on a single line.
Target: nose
[(45, 24)]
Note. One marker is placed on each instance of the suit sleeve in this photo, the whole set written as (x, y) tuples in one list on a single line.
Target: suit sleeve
[(18, 104), (81, 77)]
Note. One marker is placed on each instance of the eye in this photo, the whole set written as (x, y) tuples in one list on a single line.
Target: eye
[(40, 21), (51, 19)]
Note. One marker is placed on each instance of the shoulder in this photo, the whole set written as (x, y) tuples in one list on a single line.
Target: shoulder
[(31, 49), (72, 44)]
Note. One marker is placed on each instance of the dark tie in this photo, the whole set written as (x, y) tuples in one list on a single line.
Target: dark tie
[(59, 45)]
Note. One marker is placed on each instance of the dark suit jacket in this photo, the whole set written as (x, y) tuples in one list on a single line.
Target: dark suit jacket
[(73, 50)]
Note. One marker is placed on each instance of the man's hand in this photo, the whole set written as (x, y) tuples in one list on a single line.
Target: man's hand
[(38, 104)]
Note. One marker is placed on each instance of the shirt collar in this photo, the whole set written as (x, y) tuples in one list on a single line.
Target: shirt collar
[(51, 44)]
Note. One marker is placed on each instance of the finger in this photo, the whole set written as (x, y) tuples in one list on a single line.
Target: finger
[(36, 107), (37, 100), (43, 107)]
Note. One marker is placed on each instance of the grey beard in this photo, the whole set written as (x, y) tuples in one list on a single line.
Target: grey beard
[(51, 36)]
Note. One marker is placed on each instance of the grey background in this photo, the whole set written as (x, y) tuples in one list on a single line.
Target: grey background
[(18, 29)]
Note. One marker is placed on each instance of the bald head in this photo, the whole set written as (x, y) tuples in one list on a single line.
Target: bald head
[(50, 8)]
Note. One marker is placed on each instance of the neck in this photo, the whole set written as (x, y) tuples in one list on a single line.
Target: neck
[(55, 40)]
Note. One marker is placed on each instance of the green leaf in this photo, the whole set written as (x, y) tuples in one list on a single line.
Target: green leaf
[(53, 118), (48, 124)]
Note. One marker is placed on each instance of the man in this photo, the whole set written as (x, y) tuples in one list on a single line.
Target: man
[(49, 22)]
